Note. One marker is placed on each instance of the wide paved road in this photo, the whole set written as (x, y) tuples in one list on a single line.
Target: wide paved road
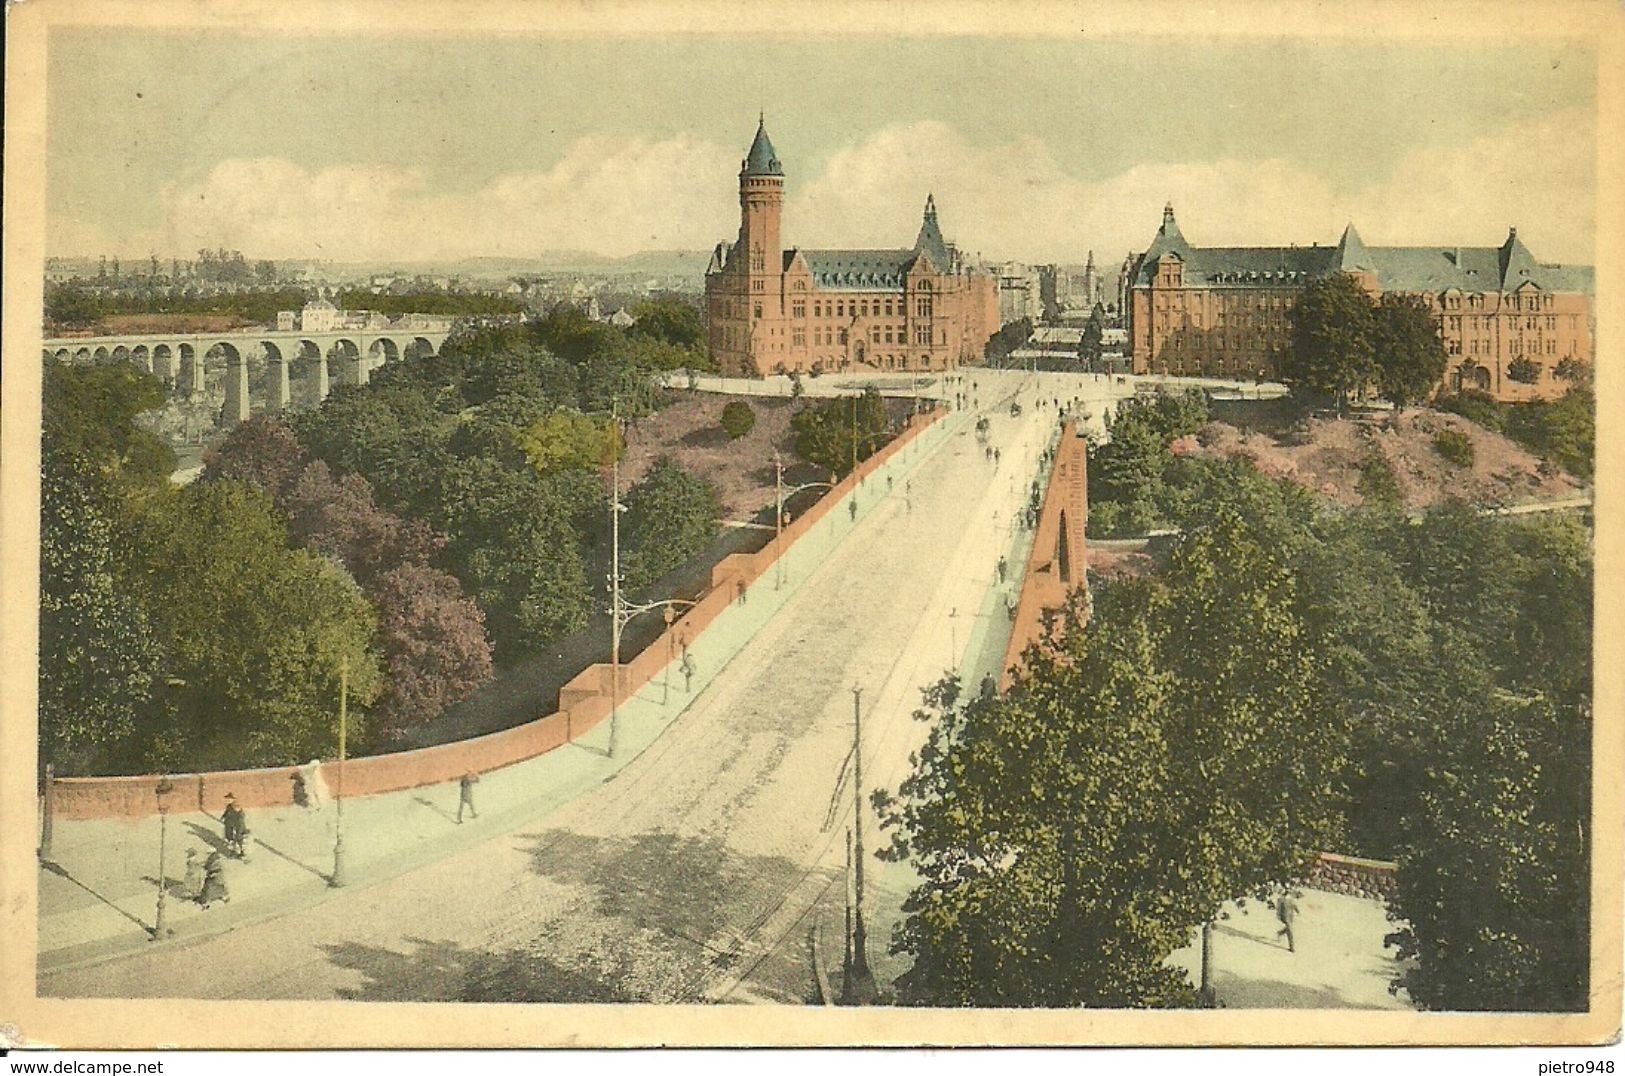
[(690, 875)]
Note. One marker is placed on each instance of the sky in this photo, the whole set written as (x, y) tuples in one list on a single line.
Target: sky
[(404, 150)]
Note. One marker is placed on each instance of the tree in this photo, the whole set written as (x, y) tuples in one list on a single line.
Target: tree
[(670, 517), (255, 632), (672, 320), (1523, 370), (824, 432), (261, 451), (1493, 889), (434, 646), (1074, 831), (336, 517), (1408, 350), (567, 440), (98, 655), (1332, 351), (737, 419), (90, 412)]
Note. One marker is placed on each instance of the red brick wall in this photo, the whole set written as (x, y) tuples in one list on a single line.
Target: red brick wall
[(1045, 585), (583, 703)]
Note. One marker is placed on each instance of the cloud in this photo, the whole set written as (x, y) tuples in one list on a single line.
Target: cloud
[(605, 195), (1013, 200), (1008, 200)]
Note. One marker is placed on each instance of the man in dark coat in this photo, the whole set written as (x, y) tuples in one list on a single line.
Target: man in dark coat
[(465, 796), (236, 827)]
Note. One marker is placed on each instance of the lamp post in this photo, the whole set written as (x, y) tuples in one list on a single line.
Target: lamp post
[(337, 878), (615, 510), (859, 985), (163, 789), (953, 638)]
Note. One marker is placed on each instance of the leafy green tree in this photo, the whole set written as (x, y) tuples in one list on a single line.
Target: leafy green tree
[(1493, 890), (1074, 831), (1408, 350), (737, 419), (98, 654), (516, 544), (1094, 331), (90, 412), (566, 440), (1564, 430), (670, 517), (827, 432), (672, 320), (254, 632), (1523, 370), (1333, 348)]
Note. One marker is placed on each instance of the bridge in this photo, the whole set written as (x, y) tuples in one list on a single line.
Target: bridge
[(183, 359)]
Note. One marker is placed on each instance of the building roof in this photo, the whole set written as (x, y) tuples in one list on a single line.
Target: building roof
[(930, 242), (762, 160), (856, 270), (1413, 269)]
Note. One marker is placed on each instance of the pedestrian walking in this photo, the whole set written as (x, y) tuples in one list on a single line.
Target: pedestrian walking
[(1004, 568), (192, 879), (1286, 910), (888, 483), (235, 825), (908, 496), (688, 671), (465, 796), (214, 881), (739, 592), (315, 787), (852, 509), (301, 793)]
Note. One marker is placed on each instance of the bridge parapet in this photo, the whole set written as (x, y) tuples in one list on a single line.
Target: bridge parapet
[(1058, 564)]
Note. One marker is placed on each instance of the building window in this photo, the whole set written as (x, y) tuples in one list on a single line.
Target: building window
[(874, 334), (1551, 347), (840, 310), (922, 336), (798, 309), (843, 336), (888, 308), (758, 309), (798, 337), (758, 285)]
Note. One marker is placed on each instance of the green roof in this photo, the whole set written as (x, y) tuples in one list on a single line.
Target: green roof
[(762, 160), (1413, 269)]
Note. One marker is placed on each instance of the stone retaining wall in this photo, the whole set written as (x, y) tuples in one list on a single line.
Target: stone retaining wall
[(1058, 559), (1373, 878), (583, 703)]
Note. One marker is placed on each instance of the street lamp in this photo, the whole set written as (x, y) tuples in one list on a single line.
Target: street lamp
[(337, 878), (859, 984), (163, 789), (779, 495)]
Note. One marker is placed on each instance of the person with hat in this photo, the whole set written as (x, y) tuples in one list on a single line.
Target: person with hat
[(235, 825)]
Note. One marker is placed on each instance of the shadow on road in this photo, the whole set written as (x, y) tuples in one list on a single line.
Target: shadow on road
[(62, 872), (445, 971)]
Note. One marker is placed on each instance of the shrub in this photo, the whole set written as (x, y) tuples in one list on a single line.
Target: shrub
[(1476, 407), (737, 419), (1524, 371), (1378, 484), (1454, 446)]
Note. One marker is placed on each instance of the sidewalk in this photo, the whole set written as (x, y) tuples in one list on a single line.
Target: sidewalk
[(98, 889)]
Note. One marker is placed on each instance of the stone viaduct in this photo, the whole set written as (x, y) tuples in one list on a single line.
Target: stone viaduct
[(181, 359)]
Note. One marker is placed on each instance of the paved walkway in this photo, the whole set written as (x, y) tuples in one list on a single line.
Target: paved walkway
[(1340, 962)]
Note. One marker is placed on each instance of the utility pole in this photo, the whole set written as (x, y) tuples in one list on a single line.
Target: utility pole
[(337, 878), (778, 520), (859, 987), (614, 572), (159, 927)]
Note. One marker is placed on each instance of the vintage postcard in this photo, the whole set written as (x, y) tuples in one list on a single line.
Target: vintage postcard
[(964, 523)]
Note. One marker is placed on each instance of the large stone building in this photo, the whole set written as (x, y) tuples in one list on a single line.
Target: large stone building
[(771, 308), (1222, 311)]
